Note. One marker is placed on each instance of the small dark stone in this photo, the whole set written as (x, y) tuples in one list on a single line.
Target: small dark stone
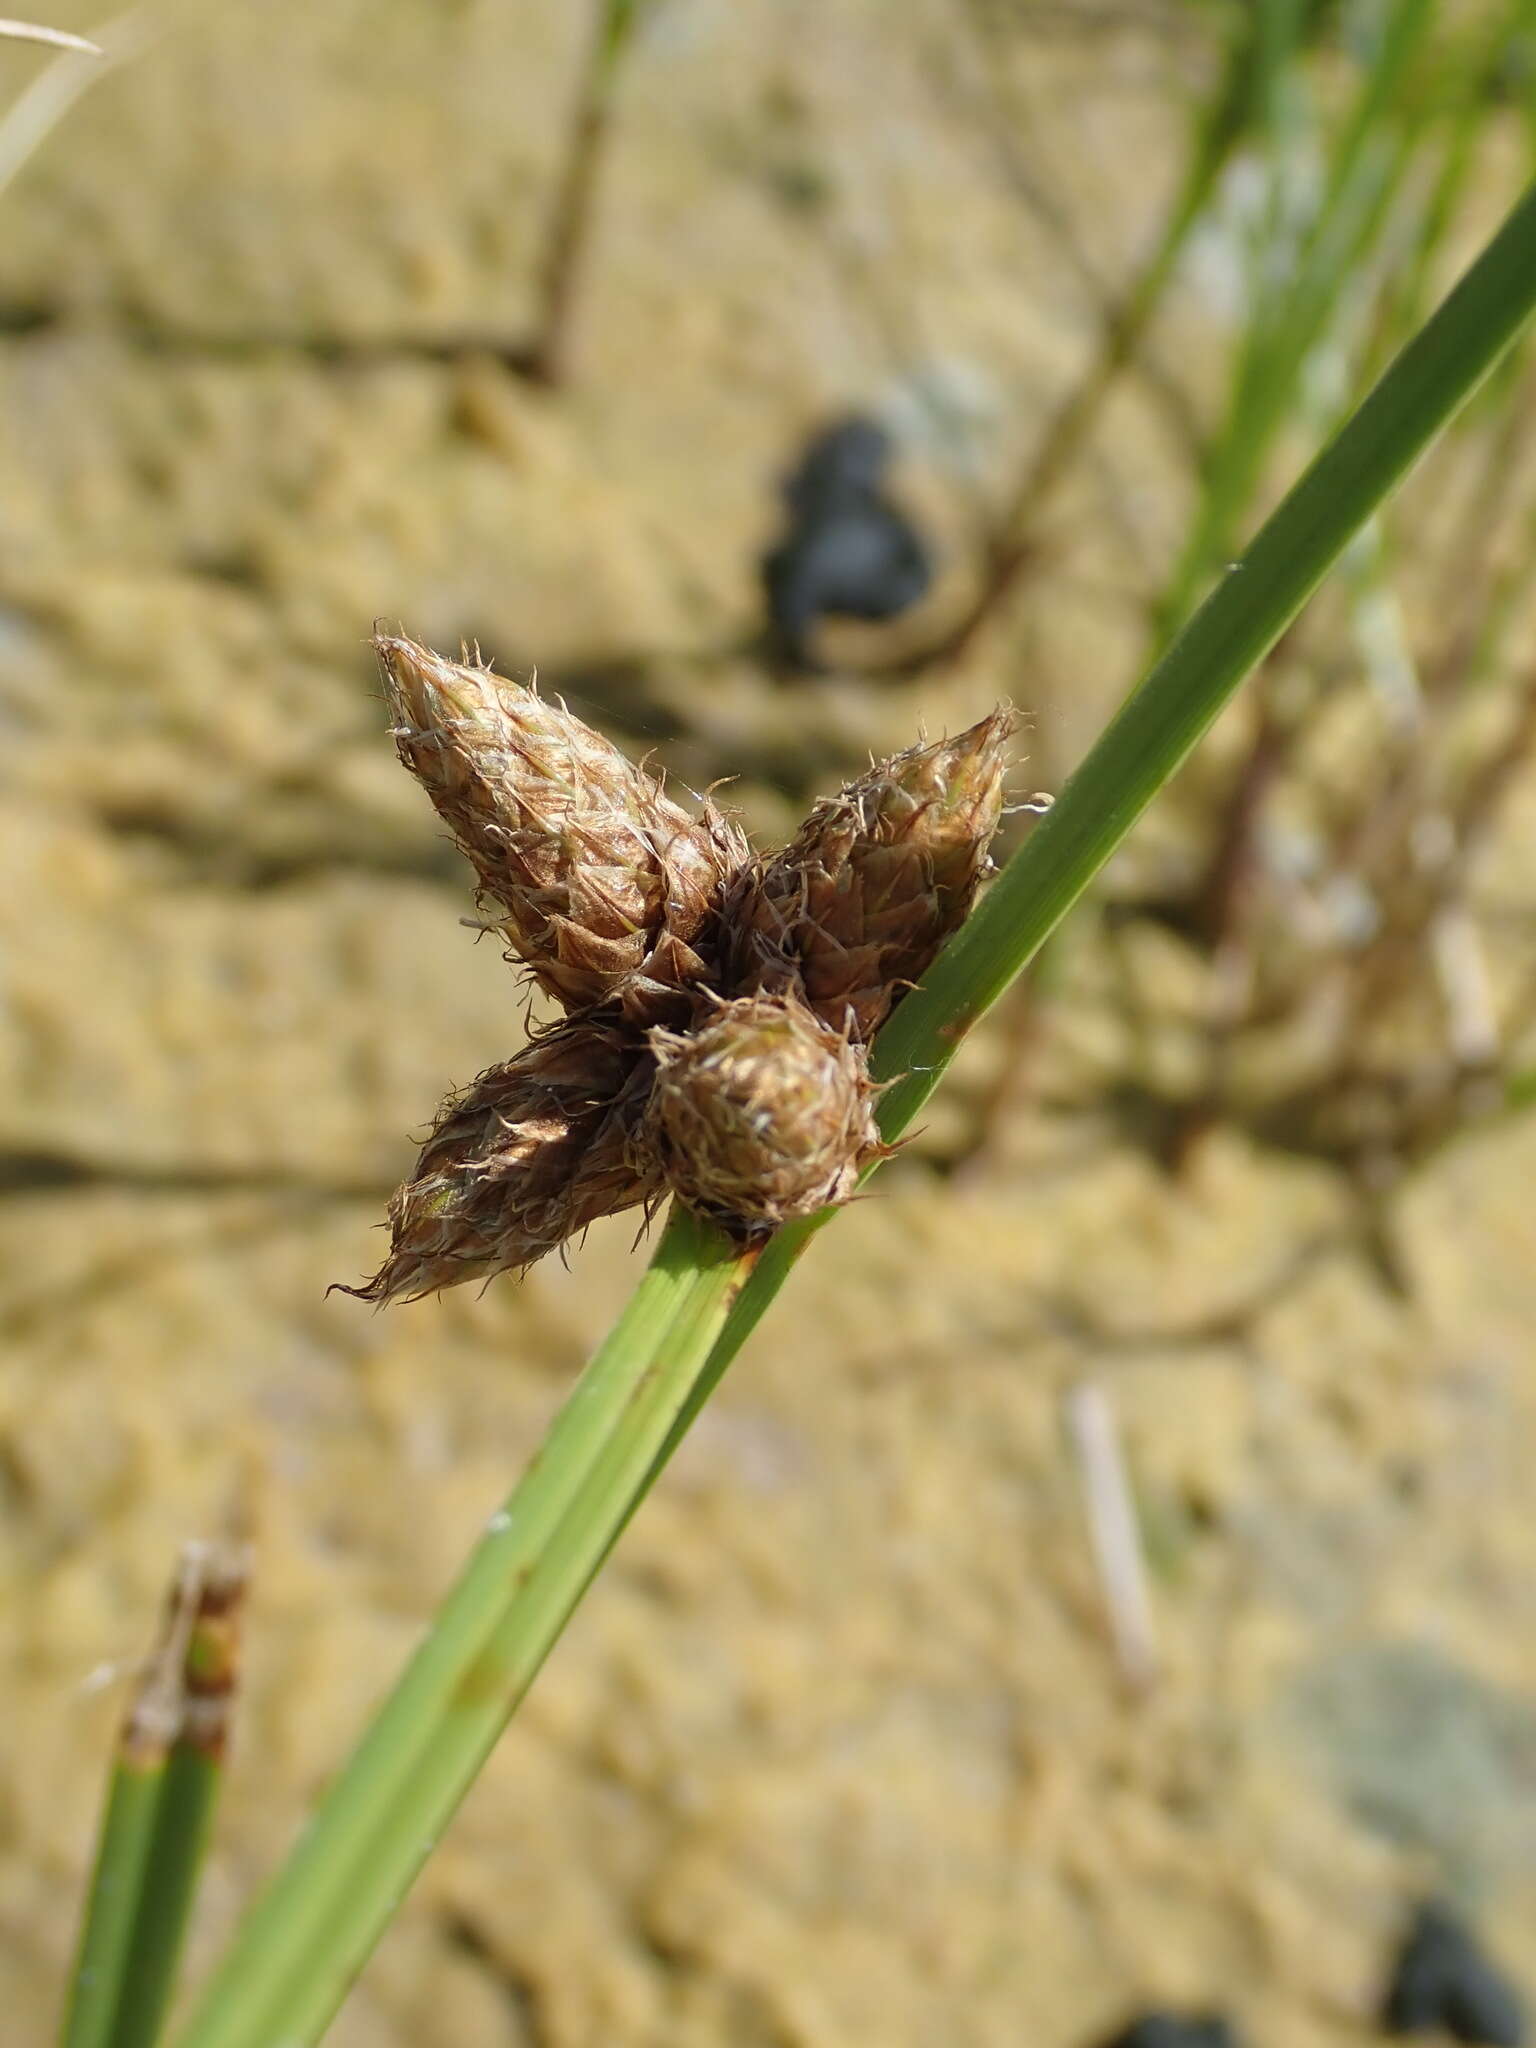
[(1174, 2030), (848, 552), (1442, 1980)]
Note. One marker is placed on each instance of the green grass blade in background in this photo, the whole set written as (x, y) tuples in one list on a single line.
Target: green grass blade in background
[(297, 1951), (1474, 69), (164, 1786), (1266, 43), (214, 1578), (183, 1823), (102, 1961), (153, 1834), (303, 1943), (1292, 312)]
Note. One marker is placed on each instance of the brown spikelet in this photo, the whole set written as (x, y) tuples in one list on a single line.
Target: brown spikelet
[(855, 908), (521, 1160), (760, 1115), (606, 889)]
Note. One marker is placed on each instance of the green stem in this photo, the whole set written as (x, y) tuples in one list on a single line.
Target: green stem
[(183, 1823), (159, 1811), (98, 1989), (306, 1939)]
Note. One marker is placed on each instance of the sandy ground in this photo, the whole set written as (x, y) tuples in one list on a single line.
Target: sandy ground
[(836, 1753)]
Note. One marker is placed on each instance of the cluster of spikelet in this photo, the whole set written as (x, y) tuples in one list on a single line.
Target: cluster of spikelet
[(719, 1003)]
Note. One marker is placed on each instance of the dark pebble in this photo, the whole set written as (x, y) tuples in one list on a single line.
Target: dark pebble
[(847, 552), (1442, 1980), (1174, 2030)]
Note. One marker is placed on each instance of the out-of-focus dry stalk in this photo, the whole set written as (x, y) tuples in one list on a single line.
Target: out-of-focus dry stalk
[(1433, 890), (1475, 600), (1233, 874), (1466, 989), (1228, 902), (548, 356), (34, 114), (1414, 846), (58, 38), (1015, 548), (1406, 845), (1115, 1531), (156, 1706), (1024, 1021)]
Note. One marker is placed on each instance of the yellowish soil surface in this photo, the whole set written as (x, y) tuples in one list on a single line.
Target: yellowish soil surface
[(836, 1754)]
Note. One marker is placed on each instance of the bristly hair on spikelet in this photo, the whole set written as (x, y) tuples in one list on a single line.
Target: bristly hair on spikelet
[(604, 888), (721, 1006), (854, 910), (760, 1115), (523, 1159)]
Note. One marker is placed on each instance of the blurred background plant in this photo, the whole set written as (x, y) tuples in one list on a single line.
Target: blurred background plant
[(509, 325), (1337, 996)]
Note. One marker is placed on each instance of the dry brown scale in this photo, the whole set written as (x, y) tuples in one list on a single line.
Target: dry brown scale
[(720, 1004)]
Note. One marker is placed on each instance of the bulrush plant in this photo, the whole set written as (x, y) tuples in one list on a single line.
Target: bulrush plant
[(720, 1006), (727, 1008)]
